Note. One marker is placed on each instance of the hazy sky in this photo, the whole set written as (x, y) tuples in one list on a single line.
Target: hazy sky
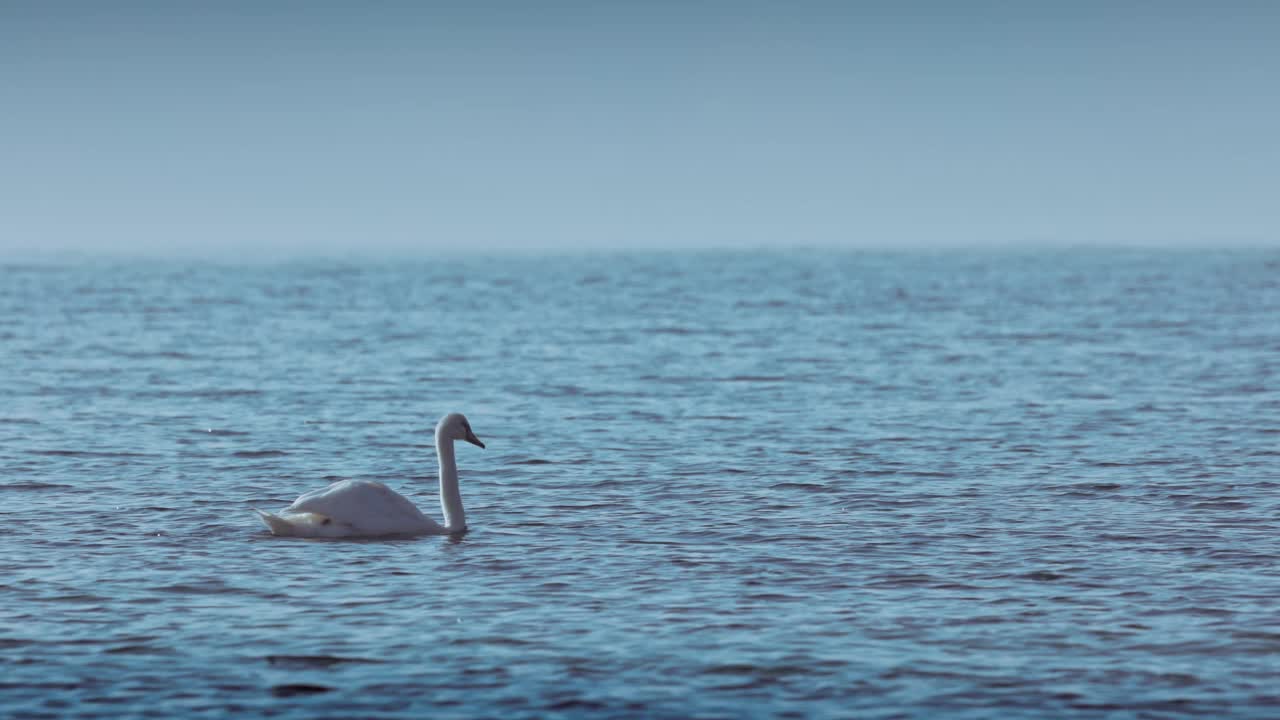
[(229, 127)]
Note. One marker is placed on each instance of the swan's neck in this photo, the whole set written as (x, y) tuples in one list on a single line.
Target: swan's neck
[(455, 518)]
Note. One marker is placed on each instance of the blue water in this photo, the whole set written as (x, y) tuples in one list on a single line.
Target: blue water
[(907, 485)]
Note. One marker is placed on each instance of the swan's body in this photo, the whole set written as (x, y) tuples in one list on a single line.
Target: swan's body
[(364, 508), (352, 508)]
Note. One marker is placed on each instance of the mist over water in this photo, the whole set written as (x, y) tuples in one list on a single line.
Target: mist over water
[(716, 485)]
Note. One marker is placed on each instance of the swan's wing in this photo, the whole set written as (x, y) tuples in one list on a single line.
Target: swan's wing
[(368, 507)]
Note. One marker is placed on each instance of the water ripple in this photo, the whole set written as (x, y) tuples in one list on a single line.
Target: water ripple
[(909, 486)]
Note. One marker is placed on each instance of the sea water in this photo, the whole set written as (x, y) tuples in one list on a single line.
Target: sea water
[(873, 485)]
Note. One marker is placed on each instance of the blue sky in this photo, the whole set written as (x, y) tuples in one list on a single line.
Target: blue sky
[(398, 127)]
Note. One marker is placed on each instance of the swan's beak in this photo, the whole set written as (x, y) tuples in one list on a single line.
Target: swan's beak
[(471, 438)]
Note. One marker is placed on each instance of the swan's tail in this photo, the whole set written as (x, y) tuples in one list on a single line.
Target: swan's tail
[(310, 525), (275, 523)]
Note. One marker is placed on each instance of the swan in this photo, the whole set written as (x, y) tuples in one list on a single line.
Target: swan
[(364, 508)]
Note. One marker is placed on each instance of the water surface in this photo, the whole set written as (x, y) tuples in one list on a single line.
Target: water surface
[(968, 485)]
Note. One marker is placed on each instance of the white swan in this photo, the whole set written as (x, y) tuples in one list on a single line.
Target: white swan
[(364, 508)]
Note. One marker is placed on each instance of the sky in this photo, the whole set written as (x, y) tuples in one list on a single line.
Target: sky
[(241, 128)]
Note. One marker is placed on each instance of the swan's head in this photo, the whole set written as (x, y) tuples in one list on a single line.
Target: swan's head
[(454, 426)]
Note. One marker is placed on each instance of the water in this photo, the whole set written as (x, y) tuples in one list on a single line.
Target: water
[(717, 485)]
